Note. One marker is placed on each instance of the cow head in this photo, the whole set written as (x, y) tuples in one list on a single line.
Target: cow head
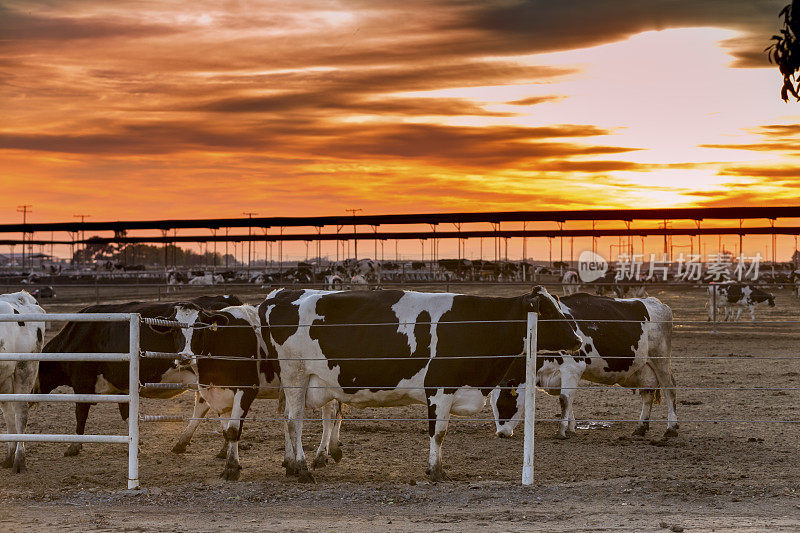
[(555, 331), (508, 400), (185, 313)]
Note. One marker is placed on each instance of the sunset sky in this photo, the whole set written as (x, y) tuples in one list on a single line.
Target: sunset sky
[(130, 110)]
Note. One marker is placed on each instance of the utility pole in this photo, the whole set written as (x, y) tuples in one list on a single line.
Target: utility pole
[(249, 242), (24, 209), (355, 239), (83, 232)]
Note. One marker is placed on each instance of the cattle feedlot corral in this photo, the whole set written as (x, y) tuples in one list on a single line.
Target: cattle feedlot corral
[(733, 466)]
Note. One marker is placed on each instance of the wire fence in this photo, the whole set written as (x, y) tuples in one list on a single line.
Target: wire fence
[(345, 391)]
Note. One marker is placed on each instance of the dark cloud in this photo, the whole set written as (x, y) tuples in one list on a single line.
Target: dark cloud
[(777, 138), (534, 100), (762, 172), (542, 25), (738, 197), (475, 147), (19, 26)]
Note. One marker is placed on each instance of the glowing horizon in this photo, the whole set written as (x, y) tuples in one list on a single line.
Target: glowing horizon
[(192, 110)]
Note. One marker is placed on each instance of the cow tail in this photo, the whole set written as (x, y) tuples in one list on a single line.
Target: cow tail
[(657, 396)]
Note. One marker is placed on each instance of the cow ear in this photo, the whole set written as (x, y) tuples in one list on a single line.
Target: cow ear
[(532, 301), (216, 320)]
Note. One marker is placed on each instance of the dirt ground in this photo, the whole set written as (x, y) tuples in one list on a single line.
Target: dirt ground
[(723, 476)]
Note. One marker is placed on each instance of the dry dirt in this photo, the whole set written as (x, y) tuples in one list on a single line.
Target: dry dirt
[(715, 476)]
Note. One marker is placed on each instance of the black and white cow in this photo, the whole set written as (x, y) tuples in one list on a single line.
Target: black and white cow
[(570, 282), (109, 377), (18, 377), (633, 350), (732, 297), (233, 369), (436, 349)]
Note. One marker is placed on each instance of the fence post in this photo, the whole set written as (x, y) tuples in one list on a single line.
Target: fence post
[(714, 308), (530, 399), (133, 405)]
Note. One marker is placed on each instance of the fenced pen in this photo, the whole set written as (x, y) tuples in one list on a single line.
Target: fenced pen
[(714, 395)]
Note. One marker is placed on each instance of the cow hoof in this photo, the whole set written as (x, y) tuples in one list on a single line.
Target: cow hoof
[(305, 477), (8, 462), (561, 436), (336, 454), (320, 461), (436, 475), (671, 432), (291, 470), (19, 467), (501, 435), (640, 431), (73, 450), (179, 448), (231, 473)]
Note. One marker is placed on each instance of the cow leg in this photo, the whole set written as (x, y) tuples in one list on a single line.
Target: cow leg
[(335, 444), (644, 418), (438, 418), (11, 427), (569, 384), (21, 415), (329, 413), (668, 387), (81, 415), (123, 411), (199, 411), (752, 313), (233, 431), (295, 406), (223, 452), (25, 373)]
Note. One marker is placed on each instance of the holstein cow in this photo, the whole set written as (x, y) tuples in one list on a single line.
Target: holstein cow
[(18, 377), (327, 343), (570, 282), (108, 377), (732, 297), (233, 369), (632, 351)]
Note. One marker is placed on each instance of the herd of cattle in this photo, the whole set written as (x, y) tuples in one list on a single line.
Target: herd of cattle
[(324, 349)]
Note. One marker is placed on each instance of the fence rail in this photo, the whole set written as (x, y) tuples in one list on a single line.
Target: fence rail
[(533, 322), (132, 398)]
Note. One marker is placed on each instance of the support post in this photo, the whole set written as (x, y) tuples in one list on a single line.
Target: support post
[(133, 406), (713, 308), (530, 399)]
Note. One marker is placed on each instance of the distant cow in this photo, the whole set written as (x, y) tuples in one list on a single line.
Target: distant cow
[(109, 377), (18, 377), (732, 297), (624, 342), (391, 348), (570, 282), (207, 279)]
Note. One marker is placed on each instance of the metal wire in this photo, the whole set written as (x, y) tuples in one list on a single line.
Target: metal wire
[(202, 325), (483, 419), (542, 354), (357, 388)]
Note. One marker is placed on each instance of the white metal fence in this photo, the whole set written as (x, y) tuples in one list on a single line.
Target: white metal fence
[(132, 398)]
